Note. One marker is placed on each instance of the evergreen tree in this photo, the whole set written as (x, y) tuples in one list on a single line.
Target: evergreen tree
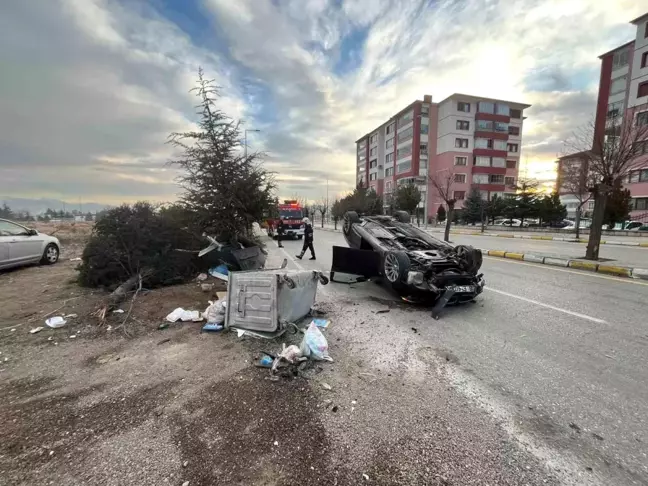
[(618, 206), (441, 214), (473, 207)]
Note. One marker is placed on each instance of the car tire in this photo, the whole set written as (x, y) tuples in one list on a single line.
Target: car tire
[(402, 217), (396, 264), (299, 237), (350, 218), (50, 255)]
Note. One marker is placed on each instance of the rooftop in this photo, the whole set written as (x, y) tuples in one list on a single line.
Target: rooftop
[(639, 19), (616, 49)]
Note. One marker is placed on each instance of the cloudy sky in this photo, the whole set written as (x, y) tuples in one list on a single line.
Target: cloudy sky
[(90, 89)]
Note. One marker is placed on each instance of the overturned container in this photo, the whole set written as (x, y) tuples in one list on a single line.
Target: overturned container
[(267, 301)]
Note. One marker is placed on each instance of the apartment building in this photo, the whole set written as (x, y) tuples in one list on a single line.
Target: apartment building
[(622, 99), (476, 140)]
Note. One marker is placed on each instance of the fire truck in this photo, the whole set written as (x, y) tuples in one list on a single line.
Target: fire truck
[(292, 214)]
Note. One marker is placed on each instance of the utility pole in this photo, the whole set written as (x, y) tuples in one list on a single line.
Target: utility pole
[(245, 132), (328, 209)]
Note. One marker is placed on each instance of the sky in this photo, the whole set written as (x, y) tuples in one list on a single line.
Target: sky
[(90, 89)]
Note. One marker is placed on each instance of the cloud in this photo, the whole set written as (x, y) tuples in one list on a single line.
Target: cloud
[(86, 114)]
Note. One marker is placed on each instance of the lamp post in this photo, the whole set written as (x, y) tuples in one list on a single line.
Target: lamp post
[(245, 132)]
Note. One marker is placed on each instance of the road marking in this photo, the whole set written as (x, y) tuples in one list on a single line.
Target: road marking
[(290, 257), (584, 274), (564, 311)]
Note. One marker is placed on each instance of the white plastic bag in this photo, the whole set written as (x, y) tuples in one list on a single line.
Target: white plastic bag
[(314, 344), (215, 313)]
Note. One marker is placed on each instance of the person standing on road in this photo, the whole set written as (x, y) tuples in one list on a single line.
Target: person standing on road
[(308, 239), (280, 232)]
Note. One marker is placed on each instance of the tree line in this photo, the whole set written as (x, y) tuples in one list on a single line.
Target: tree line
[(6, 212)]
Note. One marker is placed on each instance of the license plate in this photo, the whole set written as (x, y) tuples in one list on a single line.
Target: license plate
[(464, 288)]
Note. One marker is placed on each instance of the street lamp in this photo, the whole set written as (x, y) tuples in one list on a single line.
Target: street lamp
[(245, 132)]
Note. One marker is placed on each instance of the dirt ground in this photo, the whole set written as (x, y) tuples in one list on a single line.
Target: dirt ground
[(95, 403)]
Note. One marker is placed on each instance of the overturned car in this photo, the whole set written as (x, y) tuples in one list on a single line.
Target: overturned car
[(418, 266)]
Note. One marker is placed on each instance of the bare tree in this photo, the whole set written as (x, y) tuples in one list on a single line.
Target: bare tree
[(576, 179), (323, 207), (612, 155), (443, 182)]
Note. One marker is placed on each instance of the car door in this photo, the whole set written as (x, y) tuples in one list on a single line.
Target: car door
[(23, 247), (4, 249)]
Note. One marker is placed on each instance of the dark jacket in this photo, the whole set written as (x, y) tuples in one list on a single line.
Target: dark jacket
[(308, 232), (280, 227)]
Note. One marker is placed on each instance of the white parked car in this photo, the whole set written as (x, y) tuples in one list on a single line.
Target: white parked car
[(516, 223), (20, 245)]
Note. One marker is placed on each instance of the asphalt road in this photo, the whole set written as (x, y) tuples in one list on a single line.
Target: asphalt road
[(558, 356)]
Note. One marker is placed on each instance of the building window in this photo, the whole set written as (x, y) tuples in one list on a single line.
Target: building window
[(640, 203), (425, 110), (388, 186), (373, 177), (496, 179), (373, 151), (361, 148), (480, 178), (486, 107), (404, 152), (499, 144), (423, 148), (511, 164), (460, 178), (389, 143), (405, 119), (502, 109), (512, 147), (633, 176), (481, 143), (424, 129), (620, 59), (485, 125), (644, 59), (459, 195), (423, 164), (514, 130), (373, 164), (516, 113), (509, 181), (389, 158), (615, 109), (461, 161), (643, 175), (389, 171), (646, 31), (405, 135), (463, 125), (374, 138), (640, 148), (390, 129), (499, 162), (501, 127), (481, 161), (405, 167), (463, 106), (618, 85), (461, 142), (642, 118), (642, 89)]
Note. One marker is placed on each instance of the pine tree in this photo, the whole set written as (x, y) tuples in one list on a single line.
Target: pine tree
[(473, 207)]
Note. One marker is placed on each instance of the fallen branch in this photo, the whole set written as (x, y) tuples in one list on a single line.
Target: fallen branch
[(130, 309)]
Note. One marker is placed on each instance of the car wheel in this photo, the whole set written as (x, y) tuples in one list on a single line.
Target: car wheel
[(299, 237), (395, 266), (402, 216), (350, 218), (50, 255)]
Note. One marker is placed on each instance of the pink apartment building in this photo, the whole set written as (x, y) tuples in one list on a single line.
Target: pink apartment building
[(476, 139), (623, 90)]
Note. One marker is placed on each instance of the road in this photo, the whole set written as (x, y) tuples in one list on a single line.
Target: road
[(557, 356)]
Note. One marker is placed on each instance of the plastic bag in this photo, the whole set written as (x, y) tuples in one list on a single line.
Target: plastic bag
[(215, 313), (314, 344)]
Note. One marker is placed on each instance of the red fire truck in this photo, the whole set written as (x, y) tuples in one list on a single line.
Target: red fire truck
[(292, 214)]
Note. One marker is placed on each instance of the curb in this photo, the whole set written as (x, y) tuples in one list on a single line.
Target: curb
[(617, 271), (565, 239)]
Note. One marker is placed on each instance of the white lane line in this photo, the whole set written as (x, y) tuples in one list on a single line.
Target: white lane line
[(289, 256), (558, 309)]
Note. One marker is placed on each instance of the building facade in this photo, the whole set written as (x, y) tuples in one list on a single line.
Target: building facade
[(623, 99), (477, 141)]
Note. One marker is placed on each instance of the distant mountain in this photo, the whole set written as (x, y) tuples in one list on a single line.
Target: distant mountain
[(39, 206)]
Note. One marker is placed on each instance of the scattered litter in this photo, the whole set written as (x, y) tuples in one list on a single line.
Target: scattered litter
[(326, 386), (276, 443), (6, 359), (265, 362), (382, 311), (13, 330), (206, 287), (353, 402), (322, 323), (213, 327), (164, 325), (55, 322), (109, 328), (291, 353), (186, 483), (365, 477), (608, 356), (314, 344), (73, 336), (596, 436), (201, 277), (180, 314), (70, 316), (221, 295), (36, 329), (50, 338), (221, 272), (77, 259), (118, 311), (51, 453), (164, 341), (334, 409), (185, 464), (415, 330), (575, 427), (240, 332)]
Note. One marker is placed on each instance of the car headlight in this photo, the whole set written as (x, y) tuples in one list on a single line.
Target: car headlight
[(415, 278)]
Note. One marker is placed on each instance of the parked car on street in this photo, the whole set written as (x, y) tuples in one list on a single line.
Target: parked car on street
[(418, 266), (515, 223), (20, 245)]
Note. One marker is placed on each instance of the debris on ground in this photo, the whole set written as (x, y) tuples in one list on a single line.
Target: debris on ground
[(382, 311), (215, 312), (180, 314), (213, 327), (164, 325), (70, 316), (118, 311), (55, 322), (201, 277), (206, 287), (326, 386), (220, 272), (321, 323), (314, 344), (36, 329)]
